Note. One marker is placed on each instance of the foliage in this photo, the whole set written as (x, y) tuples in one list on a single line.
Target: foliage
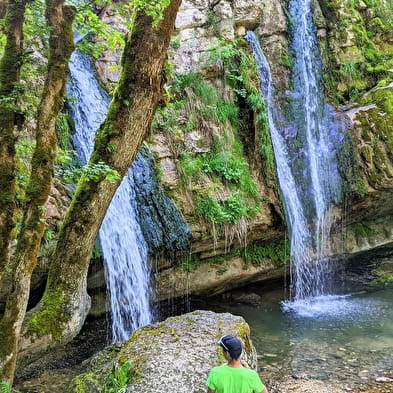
[(64, 125), (228, 211), (93, 172), (239, 65), (193, 261), (256, 253), (384, 278), (153, 8), (364, 231), (349, 170), (5, 387), (118, 379), (89, 23), (176, 42), (242, 74), (218, 176), (276, 251), (227, 167), (35, 29)]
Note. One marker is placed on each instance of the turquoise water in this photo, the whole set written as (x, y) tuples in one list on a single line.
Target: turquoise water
[(345, 338)]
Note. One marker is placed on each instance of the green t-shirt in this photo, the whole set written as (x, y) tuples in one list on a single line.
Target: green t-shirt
[(225, 379)]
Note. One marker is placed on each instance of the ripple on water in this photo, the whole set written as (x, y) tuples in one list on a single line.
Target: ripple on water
[(350, 306)]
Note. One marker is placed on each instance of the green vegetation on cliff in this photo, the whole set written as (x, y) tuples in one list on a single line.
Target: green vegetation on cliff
[(204, 123), (360, 46), (375, 137), (256, 253)]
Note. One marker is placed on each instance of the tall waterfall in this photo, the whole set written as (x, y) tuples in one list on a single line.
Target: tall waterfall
[(122, 242), (305, 152)]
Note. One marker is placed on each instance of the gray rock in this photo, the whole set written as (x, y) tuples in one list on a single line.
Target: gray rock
[(176, 354)]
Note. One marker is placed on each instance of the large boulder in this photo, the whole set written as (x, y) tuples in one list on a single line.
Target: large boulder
[(173, 356)]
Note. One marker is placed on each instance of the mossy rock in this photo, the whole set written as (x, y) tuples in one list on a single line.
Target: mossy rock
[(374, 137), (177, 353)]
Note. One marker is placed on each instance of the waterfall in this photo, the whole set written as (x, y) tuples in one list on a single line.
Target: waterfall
[(122, 242), (319, 130), (305, 153)]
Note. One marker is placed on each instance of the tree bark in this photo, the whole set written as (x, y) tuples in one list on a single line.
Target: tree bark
[(65, 303), (10, 67), (59, 19)]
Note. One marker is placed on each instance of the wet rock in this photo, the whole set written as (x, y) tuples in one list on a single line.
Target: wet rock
[(247, 298), (383, 379)]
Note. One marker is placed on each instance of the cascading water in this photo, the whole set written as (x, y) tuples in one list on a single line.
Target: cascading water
[(305, 152), (122, 242), (318, 130), (300, 235)]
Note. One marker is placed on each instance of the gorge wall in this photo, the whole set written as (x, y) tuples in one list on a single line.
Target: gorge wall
[(211, 66)]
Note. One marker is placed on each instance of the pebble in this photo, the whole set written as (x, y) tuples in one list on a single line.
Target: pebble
[(383, 379)]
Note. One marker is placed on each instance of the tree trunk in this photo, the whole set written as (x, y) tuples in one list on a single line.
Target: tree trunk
[(65, 303), (10, 67), (61, 45)]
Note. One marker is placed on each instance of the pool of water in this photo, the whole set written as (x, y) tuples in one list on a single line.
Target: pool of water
[(345, 338)]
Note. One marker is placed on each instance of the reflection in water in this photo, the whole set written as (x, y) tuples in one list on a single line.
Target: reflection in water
[(352, 343)]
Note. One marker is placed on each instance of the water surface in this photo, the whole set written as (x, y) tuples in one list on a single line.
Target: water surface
[(345, 338)]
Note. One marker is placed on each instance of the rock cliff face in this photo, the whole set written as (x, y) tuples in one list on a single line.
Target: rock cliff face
[(176, 354), (193, 145), (349, 36), (357, 47)]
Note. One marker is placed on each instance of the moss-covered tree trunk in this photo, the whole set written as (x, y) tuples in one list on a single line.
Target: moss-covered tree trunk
[(65, 303), (61, 45), (10, 66)]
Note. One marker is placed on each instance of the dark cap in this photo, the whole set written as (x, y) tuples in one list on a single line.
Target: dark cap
[(231, 344)]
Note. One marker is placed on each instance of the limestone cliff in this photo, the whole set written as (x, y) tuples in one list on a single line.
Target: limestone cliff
[(356, 43)]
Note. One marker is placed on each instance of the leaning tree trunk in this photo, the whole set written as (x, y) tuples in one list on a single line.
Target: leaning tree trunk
[(10, 67), (64, 306), (59, 19)]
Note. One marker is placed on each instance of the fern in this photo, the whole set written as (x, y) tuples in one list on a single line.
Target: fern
[(5, 387)]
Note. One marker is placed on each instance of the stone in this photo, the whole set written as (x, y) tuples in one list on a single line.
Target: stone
[(248, 298), (177, 353), (192, 14), (248, 14), (197, 141), (383, 379)]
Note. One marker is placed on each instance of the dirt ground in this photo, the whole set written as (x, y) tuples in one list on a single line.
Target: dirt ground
[(53, 372)]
